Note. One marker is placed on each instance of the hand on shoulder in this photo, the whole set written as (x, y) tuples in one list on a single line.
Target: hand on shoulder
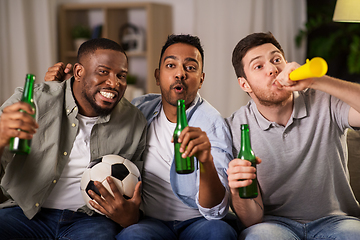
[(59, 72)]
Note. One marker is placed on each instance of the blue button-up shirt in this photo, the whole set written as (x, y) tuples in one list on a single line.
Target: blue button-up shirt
[(206, 117)]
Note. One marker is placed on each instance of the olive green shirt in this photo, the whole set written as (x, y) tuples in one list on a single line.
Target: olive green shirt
[(28, 179)]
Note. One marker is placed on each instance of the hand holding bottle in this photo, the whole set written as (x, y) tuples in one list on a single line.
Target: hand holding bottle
[(17, 144), (12, 120), (246, 153), (183, 165), (241, 173), (189, 142), (194, 142)]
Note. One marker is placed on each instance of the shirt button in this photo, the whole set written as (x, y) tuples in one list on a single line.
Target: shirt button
[(67, 110), (73, 125), (155, 113), (65, 153), (75, 108), (54, 181), (37, 204)]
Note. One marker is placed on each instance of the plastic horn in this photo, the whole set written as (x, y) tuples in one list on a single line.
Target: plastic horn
[(316, 67)]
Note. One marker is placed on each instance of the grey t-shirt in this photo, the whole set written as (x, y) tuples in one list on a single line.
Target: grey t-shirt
[(303, 175)]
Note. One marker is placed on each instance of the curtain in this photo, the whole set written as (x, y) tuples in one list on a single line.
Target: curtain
[(221, 24), (27, 42), (28, 39)]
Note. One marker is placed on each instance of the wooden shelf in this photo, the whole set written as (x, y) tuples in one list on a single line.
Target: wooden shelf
[(136, 54), (157, 22)]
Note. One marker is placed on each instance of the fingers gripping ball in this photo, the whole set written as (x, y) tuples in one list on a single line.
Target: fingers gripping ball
[(124, 173)]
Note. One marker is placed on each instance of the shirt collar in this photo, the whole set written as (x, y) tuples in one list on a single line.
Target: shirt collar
[(70, 104), (194, 103), (299, 111)]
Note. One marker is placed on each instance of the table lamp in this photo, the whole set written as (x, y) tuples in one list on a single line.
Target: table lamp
[(347, 11)]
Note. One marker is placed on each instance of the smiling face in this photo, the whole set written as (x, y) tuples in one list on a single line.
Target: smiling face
[(100, 81), (261, 66), (180, 75)]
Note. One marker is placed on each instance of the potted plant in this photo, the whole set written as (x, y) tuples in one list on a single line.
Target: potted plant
[(80, 34), (338, 43)]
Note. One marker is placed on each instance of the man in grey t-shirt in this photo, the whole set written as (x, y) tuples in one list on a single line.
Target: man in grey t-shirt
[(297, 129)]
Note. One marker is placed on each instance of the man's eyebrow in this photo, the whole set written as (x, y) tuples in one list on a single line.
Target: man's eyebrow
[(276, 51), (189, 59), (104, 66), (257, 57), (170, 57), (253, 59), (109, 68)]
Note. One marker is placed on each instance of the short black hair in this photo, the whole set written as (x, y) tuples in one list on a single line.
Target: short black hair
[(247, 43), (92, 45), (183, 38)]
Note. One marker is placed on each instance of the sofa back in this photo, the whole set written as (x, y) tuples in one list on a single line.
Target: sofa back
[(353, 141)]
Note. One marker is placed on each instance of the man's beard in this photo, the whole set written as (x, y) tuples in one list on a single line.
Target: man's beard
[(98, 110), (271, 100)]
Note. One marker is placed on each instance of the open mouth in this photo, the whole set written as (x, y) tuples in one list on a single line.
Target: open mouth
[(108, 96), (179, 88)]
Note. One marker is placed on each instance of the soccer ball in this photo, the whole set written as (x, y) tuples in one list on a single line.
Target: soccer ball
[(124, 173)]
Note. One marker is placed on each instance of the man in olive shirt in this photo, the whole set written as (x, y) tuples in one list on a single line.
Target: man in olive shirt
[(77, 121)]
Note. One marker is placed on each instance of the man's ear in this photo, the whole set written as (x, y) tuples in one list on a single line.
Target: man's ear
[(78, 71), (202, 79), (157, 76), (244, 84)]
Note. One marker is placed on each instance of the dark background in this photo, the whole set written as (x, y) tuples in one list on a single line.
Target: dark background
[(338, 43)]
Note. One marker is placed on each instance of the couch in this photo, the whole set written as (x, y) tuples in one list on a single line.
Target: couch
[(353, 140)]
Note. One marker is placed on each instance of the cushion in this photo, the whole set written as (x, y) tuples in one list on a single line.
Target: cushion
[(353, 140)]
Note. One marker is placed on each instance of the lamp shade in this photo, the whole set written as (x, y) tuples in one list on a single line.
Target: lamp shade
[(347, 11)]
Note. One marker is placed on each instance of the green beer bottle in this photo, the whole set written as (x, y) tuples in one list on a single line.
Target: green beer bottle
[(182, 165), (247, 153), (17, 145)]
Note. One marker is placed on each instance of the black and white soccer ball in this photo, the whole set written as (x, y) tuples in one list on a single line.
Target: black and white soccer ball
[(124, 173)]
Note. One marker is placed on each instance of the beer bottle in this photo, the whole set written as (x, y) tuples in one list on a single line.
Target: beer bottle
[(182, 165), (247, 153), (17, 145)]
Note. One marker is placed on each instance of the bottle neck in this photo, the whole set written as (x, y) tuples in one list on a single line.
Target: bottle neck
[(245, 137), (181, 115), (27, 95)]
